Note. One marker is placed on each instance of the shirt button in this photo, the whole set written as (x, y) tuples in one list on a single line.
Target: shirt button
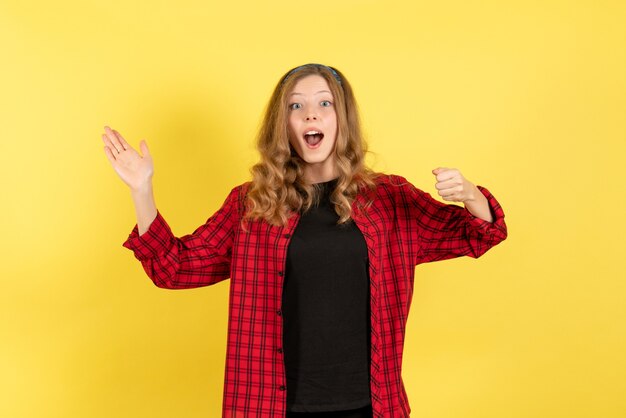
[(279, 312), (282, 387), (287, 235), (280, 273), (280, 350)]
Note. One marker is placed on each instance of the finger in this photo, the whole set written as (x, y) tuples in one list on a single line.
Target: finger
[(110, 155), (450, 191), (143, 146), (108, 143), (114, 139), (121, 139), (447, 174), (452, 198), (448, 183)]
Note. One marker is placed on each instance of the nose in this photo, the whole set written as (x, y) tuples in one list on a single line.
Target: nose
[(311, 115)]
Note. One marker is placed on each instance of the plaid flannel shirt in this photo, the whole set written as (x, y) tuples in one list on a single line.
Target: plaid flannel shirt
[(403, 227)]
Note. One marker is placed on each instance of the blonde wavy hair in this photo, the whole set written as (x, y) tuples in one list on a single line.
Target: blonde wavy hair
[(278, 188)]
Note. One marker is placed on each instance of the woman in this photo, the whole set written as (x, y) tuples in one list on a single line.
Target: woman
[(320, 252)]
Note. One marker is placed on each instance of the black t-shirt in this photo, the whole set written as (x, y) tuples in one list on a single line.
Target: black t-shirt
[(326, 335)]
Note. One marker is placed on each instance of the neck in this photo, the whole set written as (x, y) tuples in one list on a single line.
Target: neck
[(316, 174)]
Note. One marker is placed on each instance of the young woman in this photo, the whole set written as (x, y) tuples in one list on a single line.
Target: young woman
[(320, 252)]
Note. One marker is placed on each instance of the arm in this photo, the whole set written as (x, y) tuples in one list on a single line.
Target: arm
[(136, 171), (478, 205), (145, 207), (452, 186), (439, 231), (198, 259)]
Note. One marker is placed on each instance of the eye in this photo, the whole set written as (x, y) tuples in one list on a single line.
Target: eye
[(295, 106), (326, 103)]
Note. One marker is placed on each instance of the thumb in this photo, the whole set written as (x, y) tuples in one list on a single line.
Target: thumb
[(438, 170), (143, 146)]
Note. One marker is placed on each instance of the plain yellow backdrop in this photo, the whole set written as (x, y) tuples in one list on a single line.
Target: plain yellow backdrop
[(527, 98)]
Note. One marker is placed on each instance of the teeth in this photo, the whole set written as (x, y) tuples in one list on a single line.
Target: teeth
[(312, 133)]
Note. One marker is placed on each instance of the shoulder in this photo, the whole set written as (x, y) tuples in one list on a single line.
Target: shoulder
[(241, 189), (392, 184), (390, 190), (235, 201), (395, 190), (383, 179)]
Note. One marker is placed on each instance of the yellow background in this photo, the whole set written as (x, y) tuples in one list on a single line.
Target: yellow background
[(525, 98)]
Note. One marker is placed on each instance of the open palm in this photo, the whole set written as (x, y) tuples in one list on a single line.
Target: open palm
[(134, 169)]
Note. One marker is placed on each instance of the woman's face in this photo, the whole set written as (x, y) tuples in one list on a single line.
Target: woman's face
[(313, 127)]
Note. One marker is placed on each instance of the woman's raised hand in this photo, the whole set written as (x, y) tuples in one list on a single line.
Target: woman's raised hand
[(135, 170), (452, 186)]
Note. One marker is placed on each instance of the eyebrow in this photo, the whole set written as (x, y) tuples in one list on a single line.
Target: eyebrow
[(300, 94)]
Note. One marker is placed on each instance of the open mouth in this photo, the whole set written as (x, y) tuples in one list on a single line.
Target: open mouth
[(313, 138)]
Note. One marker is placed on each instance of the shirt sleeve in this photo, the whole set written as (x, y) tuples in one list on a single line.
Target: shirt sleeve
[(441, 231), (198, 259)]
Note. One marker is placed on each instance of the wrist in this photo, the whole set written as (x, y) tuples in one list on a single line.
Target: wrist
[(142, 190), (473, 194)]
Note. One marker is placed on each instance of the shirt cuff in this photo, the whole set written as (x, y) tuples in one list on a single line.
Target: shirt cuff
[(485, 227), (151, 243)]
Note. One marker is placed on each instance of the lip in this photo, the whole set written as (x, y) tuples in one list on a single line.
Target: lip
[(311, 128)]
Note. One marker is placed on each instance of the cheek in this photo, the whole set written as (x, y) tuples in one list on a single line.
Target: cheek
[(293, 141), (291, 127), (335, 126), (333, 118)]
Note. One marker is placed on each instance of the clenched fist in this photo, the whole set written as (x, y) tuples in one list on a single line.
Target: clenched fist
[(452, 186)]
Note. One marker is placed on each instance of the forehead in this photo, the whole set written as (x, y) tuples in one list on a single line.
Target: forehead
[(310, 84)]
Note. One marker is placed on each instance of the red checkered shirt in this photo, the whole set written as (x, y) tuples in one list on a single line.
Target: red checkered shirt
[(402, 228)]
